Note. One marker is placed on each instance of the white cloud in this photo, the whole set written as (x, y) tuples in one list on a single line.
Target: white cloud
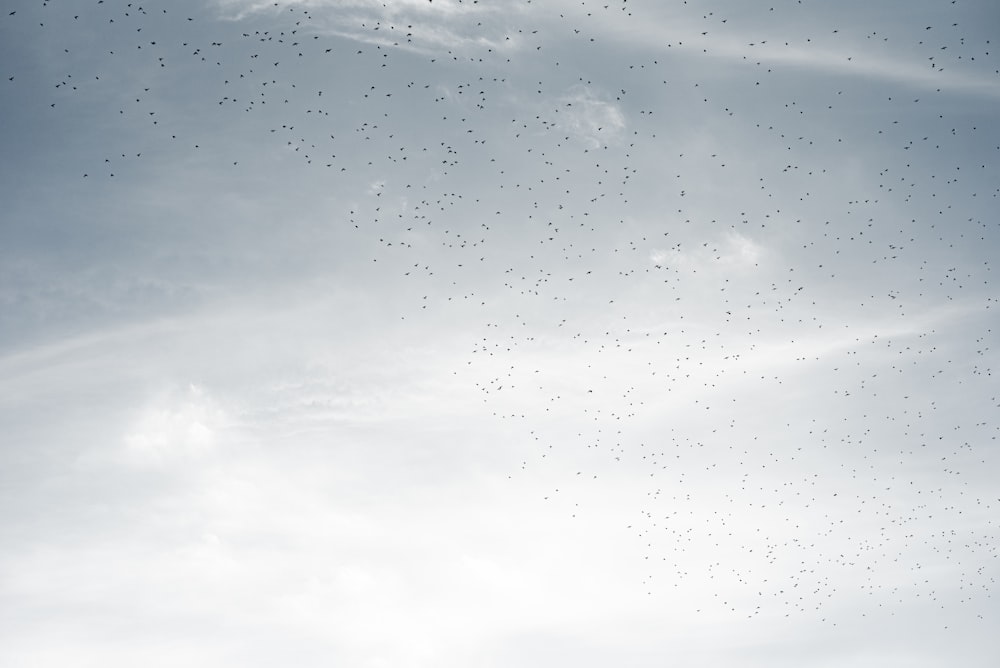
[(860, 63), (771, 43), (734, 252), (414, 25), (175, 427), (590, 117)]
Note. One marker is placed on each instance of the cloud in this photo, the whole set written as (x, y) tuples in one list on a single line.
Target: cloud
[(414, 25), (590, 117), (175, 426), (735, 251), (859, 64), (755, 37), (246, 455)]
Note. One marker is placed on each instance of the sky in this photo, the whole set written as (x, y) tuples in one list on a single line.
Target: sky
[(500, 333)]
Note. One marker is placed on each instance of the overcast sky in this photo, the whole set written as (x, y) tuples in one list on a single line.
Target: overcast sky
[(505, 333)]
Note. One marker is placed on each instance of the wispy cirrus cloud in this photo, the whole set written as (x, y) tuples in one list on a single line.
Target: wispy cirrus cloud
[(843, 51), (408, 24), (857, 63)]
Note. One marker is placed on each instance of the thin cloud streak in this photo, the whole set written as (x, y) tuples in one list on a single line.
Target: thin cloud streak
[(418, 27), (673, 33), (853, 65)]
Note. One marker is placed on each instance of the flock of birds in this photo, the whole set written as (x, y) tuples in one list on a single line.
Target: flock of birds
[(796, 330)]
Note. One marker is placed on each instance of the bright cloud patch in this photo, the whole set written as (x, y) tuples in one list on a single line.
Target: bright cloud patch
[(590, 117), (180, 425), (408, 24)]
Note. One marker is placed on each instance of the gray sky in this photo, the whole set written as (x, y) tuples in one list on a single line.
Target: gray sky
[(507, 333)]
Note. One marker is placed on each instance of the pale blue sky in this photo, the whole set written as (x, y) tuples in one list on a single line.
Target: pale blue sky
[(504, 333)]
